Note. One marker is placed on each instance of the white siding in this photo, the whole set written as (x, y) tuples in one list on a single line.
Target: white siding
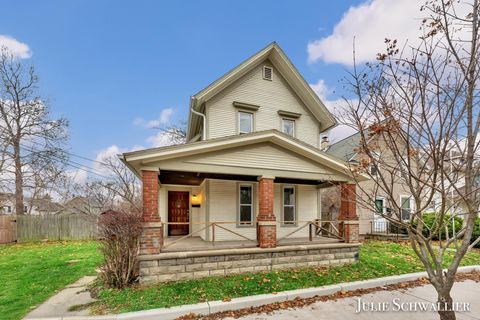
[(271, 96), (223, 207), (262, 155)]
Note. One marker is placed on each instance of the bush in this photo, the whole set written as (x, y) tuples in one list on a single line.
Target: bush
[(431, 222), (476, 232), (120, 243)]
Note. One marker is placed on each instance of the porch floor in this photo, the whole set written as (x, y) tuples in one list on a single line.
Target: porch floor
[(197, 244)]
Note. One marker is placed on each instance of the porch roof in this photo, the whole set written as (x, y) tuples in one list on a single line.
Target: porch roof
[(289, 158)]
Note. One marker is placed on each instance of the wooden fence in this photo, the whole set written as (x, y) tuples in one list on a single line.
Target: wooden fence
[(51, 227), (8, 231)]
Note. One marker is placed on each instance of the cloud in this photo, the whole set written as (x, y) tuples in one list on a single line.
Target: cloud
[(369, 23), (79, 175), (18, 49), (321, 89), (161, 139), (162, 120)]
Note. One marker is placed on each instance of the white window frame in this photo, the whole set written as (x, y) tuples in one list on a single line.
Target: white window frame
[(384, 209), (251, 122), (252, 205), (294, 222), (294, 126), (410, 202)]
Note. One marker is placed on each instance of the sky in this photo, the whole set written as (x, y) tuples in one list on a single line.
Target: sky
[(116, 69)]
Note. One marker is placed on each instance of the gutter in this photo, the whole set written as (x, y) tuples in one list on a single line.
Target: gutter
[(204, 118)]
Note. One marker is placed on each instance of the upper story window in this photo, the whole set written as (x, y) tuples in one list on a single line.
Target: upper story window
[(245, 122), (288, 127)]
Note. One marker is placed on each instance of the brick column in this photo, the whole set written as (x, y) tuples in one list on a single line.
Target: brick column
[(152, 235), (349, 227), (266, 221)]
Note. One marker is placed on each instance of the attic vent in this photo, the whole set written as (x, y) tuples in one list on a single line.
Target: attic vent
[(267, 73)]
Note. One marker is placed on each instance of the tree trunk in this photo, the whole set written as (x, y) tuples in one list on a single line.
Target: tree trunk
[(19, 206), (445, 303)]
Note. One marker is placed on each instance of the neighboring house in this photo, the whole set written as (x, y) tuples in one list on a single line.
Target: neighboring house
[(7, 203), (371, 215), (251, 168), (81, 205), (37, 206)]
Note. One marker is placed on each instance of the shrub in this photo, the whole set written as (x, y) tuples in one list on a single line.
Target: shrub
[(476, 232), (120, 243), (431, 222)]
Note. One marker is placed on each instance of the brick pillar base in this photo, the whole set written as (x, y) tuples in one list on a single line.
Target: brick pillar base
[(349, 226), (266, 221), (151, 241)]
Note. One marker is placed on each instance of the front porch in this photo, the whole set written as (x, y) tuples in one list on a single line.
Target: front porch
[(253, 195), (198, 244)]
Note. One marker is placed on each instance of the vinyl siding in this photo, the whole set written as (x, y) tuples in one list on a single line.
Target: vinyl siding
[(223, 207), (271, 96), (262, 155)]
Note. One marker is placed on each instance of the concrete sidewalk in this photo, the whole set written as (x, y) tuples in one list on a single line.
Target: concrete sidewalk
[(58, 305), (467, 291)]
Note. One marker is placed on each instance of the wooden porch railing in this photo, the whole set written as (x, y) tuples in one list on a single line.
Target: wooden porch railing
[(213, 225), (316, 227)]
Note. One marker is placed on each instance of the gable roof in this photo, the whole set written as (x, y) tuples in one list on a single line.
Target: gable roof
[(345, 149), (286, 68), (137, 159)]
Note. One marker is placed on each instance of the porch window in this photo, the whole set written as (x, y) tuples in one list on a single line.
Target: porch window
[(245, 204), (288, 127), (245, 122), (289, 206)]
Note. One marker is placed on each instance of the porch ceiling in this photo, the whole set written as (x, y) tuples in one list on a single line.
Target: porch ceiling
[(196, 178)]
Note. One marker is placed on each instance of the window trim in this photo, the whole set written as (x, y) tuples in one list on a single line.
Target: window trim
[(252, 122), (295, 206), (294, 126), (410, 203), (253, 205), (384, 208)]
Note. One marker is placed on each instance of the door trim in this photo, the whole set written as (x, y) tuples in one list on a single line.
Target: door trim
[(174, 189)]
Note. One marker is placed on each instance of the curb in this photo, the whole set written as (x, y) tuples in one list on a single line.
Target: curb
[(206, 308)]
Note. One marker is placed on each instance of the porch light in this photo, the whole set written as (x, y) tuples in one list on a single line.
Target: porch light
[(196, 201)]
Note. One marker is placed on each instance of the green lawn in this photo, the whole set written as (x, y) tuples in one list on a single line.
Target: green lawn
[(31, 273), (377, 259)]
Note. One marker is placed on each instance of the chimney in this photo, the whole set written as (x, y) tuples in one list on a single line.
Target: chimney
[(324, 144)]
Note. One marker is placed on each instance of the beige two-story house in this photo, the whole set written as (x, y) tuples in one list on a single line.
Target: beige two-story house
[(251, 171)]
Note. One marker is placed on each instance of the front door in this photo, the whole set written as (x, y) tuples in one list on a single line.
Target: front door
[(178, 211)]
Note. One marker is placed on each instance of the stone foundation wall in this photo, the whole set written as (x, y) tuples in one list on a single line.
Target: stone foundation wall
[(176, 266)]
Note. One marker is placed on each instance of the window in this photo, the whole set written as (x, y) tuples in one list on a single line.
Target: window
[(245, 122), (245, 204), (267, 73), (9, 209), (405, 207), (288, 127), (379, 206), (288, 216), (373, 170)]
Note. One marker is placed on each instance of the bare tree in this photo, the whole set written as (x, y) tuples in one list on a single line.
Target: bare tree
[(174, 134), (33, 142), (421, 103)]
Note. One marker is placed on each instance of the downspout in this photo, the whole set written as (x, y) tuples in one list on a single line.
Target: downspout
[(203, 124)]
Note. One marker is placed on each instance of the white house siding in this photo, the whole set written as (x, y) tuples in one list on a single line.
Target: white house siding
[(271, 96), (222, 206), (262, 155)]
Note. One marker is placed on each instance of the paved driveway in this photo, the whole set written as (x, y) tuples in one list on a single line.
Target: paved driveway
[(467, 291)]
